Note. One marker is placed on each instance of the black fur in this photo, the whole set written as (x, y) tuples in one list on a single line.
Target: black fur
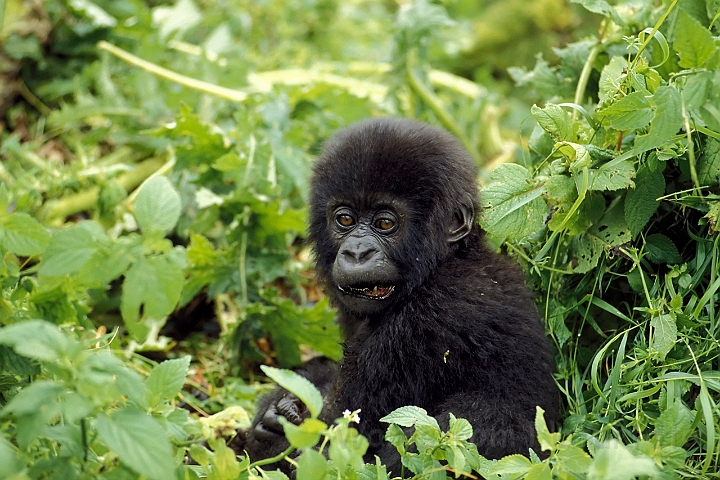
[(460, 333)]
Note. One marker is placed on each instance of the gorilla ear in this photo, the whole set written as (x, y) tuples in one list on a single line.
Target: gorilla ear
[(462, 222)]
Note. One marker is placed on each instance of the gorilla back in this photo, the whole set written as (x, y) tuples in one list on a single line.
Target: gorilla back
[(432, 316)]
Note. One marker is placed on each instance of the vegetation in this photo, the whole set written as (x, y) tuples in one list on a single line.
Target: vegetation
[(153, 182)]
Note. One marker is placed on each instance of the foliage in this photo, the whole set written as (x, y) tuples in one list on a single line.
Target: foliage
[(158, 161)]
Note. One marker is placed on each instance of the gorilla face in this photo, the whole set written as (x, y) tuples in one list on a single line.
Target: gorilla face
[(363, 271)]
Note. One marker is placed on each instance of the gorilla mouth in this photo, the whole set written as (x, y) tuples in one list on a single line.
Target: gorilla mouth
[(375, 292)]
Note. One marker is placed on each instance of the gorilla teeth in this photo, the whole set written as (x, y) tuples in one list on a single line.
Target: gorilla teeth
[(375, 292)]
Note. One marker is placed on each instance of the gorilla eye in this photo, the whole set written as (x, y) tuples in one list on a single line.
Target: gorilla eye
[(345, 220), (384, 224)]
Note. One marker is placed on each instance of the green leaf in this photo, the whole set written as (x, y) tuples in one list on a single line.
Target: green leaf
[(139, 441), (13, 464), (665, 334), (631, 112), (31, 399), (554, 120), (312, 465), (512, 206), (573, 459), (22, 235), (641, 202), (154, 283), (225, 465), (460, 428), (666, 122), (611, 229), (546, 439), (512, 465), (539, 471), (305, 435), (347, 448), (612, 176), (40, 340), (675, 425), (299, 386), (410, 416), (166, 380), (611, 77), (660, 249), (396, 436), (613, 461), (602, 7), (70, 249), (696, 90), (158, 205), (708, 167), (693, 43)]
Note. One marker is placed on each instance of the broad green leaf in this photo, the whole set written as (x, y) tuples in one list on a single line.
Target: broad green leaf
[(30, 400), (539, 471), (396, 436), (573, 459), (675, 425), (665, 334), (299, 386), (158, 205), (512, 465), (70, 249), (154, 283), (139, 441), (613, 461), (22, 235), (554, 120), (611, 77), (601, 7), (660, 249), (612, 176), (312, 465), (666, 122), (708, 167), (40, 340), (455, 458), (512, 206), (4, 194), (611, 229), (166, 380), (305, 435), (347, 448), (577, 154), (410, 416), (693, 43), (12, 464), (225, 464), (546, 439), (460, 428), (104, 378), (642, 201), (696, 90), (590, 211), (631, 112)]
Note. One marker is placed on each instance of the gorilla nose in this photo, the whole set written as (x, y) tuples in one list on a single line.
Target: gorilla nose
[(358, 254)]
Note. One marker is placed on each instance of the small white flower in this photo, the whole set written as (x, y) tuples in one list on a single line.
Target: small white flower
[(353, 416)]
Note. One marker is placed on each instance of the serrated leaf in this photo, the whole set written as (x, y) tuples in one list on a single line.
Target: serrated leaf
[(666, 122), (39, 340), (613, 461), (410, 416), (674, 426), (539, 471), (154, 283), (158, 205), (512, 465), (70, 249), (30, 400), (611, 229), (512, 205), (693, 43), (696, 90), (611, 77), (708, 168), (664, 334), (139, 441), (166, 380), (660, 249), (631, 112), (573, 459), (546, 439), (554, 120), (585, 252), (602, 7), (460, 428), (299, 386), (612, 176), (641, 202), (22, 235)]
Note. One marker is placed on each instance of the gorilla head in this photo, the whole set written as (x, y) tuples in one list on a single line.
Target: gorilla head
[(391, 199)]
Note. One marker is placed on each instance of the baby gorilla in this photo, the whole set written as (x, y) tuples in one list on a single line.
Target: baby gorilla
[(432, 316)]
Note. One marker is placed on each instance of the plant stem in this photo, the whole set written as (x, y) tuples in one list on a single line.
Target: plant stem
[(226, 93), (276, 458), (56, 211), (435, 105)]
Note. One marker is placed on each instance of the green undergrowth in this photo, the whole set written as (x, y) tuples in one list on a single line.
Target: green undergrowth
[(155, 175)]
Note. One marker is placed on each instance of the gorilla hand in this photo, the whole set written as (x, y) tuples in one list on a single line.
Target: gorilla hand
[(288, 406)]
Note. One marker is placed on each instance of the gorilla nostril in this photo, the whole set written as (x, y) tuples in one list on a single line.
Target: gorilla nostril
[(358, 255)]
